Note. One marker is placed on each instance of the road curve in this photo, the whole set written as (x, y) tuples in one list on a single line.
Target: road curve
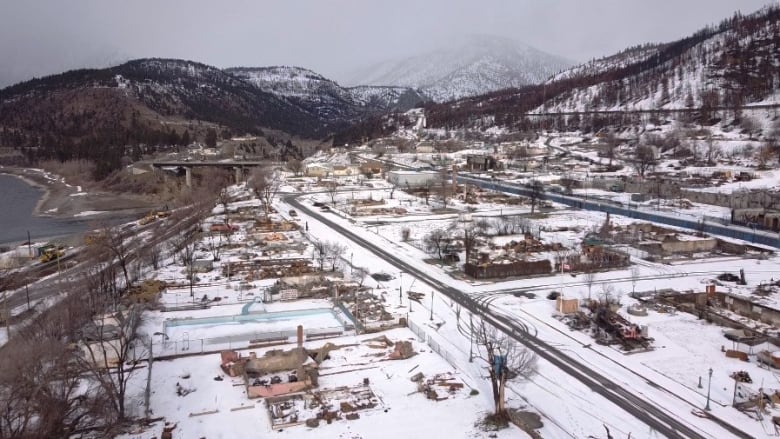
[(653, 416)]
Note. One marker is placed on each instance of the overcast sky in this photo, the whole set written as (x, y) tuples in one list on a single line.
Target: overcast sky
[(332, 37)]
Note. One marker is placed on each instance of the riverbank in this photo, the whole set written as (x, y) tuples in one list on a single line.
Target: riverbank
[(62, 200)]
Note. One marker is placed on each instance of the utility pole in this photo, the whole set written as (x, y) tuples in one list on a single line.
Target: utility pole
[(431, 305), (7, 315), (400, 286), (471, 337), (709, 383), (192, 277)]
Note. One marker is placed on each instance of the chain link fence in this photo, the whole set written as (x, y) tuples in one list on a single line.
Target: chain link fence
[(433, 344), (159, 349)]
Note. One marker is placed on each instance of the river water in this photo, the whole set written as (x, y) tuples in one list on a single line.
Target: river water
[(17, 201)]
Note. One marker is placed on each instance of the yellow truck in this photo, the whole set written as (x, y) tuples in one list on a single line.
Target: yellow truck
[(50, 253)]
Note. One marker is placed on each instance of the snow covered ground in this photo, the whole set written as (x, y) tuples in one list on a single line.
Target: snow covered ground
[(220, 409), (676, 336), (684, 347)]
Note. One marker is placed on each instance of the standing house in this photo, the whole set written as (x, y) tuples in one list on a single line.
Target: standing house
[(344, 171), (412, 178), (424, 148), (476, 162), (768, 219), (317, 170)]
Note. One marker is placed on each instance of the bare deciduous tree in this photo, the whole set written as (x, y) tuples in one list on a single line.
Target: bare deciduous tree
[(437, 241), (505, 359), (295, 166), (537, 191), (427, 189), (334, 251), (634, 278), (590, 278), (470, 240), (107, 353), (117, 247), (610, 146), (265, 183), (360, 274), (393, 186), (215, 245), (644, 159), (750, 126), (320, 253), (332, 188)]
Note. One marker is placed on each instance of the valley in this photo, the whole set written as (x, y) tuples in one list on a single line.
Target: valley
[(483, 240)]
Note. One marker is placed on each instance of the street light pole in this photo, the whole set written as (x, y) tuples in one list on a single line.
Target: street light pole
[(431, 305), (709, 382), (471, 337), (400, 286)]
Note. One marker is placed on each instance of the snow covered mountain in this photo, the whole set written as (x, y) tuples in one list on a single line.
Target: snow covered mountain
[(709, 76), (324, 98), (470, 66), (731, 65)]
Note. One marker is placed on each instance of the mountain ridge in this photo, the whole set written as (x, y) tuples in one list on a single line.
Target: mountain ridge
[(709, 75), (471, 65)]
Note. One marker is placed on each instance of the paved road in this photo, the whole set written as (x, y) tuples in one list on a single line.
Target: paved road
[(653, 416), (767, 238)]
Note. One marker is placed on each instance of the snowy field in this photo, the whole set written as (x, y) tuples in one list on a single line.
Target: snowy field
[(220, 409), (683, 349)]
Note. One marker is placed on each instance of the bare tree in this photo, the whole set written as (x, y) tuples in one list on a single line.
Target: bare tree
[(265, 183), (750, 126), (610, 146), (764, 155), (393, 186), (117, 247), (644, 159), (224, 199), (712, 151), (634, 278), (215, 245), (212, 183), (505, 360), (332, 188), (360, 274), (590, 278), (537, 191), (334, 251), (108, 349), (773, 138), (152, 254), (295, 166), (437, 241), (42, 394), (320, 253), (470, 240), (427, 189)]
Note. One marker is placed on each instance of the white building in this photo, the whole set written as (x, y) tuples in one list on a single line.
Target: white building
[(412, 178)]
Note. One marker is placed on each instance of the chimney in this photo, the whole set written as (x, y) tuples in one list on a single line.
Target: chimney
[(300, 336)]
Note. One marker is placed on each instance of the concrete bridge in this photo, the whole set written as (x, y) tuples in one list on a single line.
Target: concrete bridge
[(238, 166)]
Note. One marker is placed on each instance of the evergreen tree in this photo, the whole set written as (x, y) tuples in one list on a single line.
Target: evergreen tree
[(211, 138)]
